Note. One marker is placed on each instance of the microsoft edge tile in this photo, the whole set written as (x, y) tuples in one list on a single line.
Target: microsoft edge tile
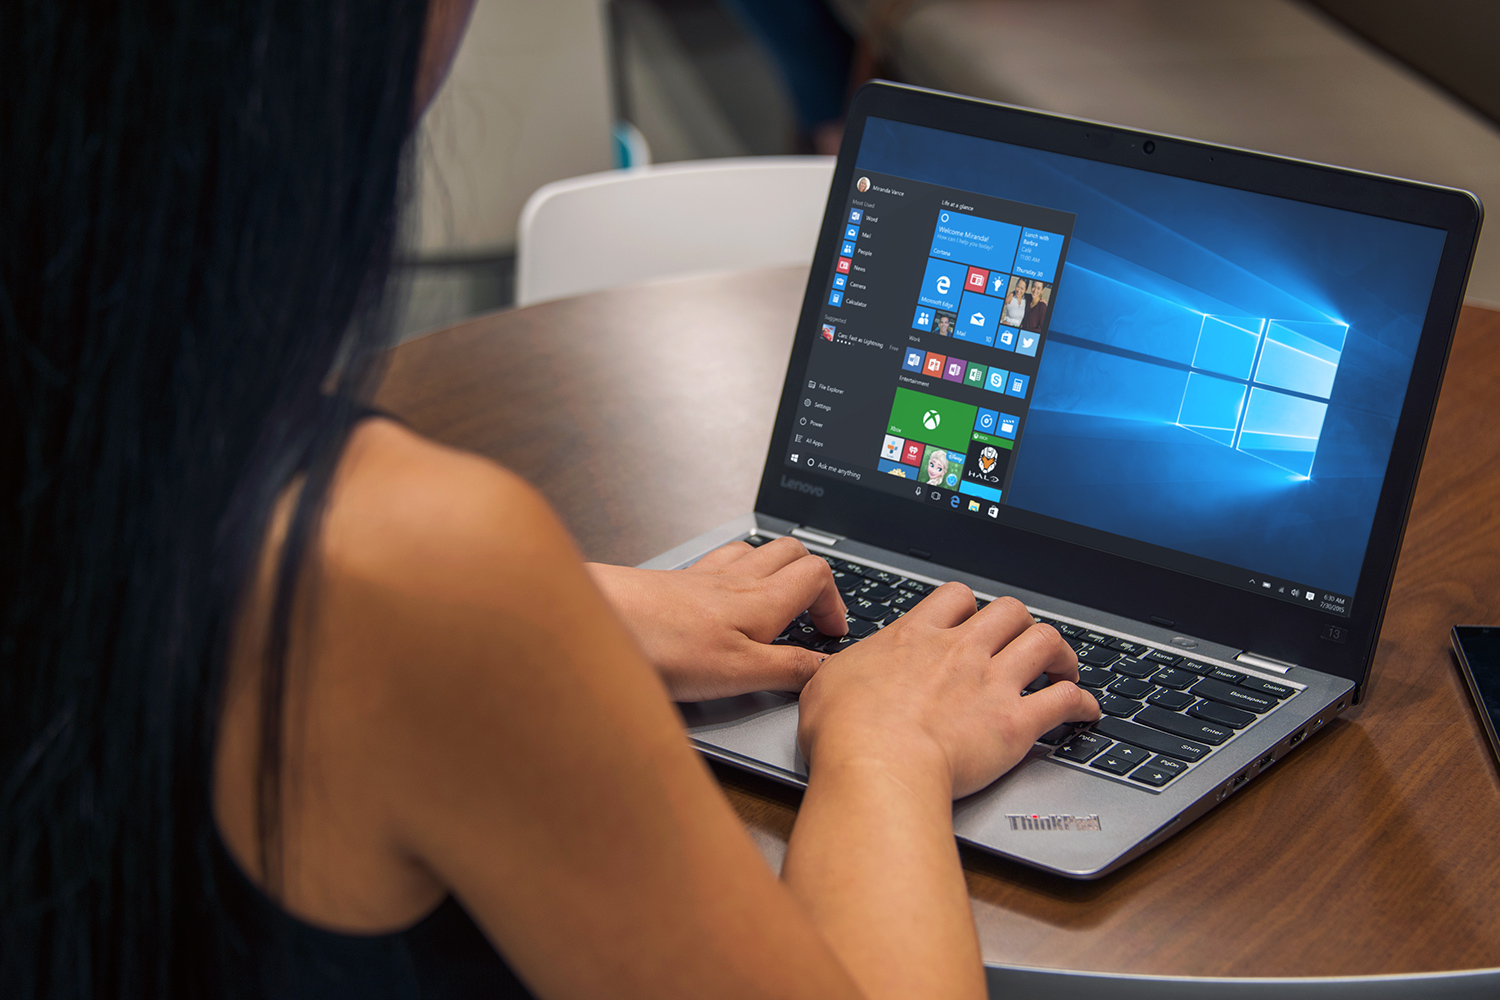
[(942, 285)]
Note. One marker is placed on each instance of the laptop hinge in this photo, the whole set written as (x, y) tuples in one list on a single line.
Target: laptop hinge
[(1265, 662), (814, 535)]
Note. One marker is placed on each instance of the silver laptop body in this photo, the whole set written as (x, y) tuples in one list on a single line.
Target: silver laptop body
[(1071, 807)]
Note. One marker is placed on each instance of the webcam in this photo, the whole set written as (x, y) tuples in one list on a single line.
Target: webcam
[(1148, 146)]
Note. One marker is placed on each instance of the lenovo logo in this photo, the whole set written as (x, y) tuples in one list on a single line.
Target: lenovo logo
[(1054, 823), (801, 487)]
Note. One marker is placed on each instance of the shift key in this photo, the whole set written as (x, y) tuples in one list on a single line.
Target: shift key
[(1151, 739)]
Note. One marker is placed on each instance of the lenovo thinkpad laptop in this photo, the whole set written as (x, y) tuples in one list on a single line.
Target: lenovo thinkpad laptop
[(1171, 396)]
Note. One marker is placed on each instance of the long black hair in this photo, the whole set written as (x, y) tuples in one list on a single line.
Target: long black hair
[(198, 205)]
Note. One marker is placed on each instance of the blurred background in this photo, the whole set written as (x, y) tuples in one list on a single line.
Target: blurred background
[(545, 91)]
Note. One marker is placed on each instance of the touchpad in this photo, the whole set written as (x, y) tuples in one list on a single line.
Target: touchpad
[(762, 727)]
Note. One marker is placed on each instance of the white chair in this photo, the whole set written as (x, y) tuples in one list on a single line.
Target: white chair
[(628, 226)]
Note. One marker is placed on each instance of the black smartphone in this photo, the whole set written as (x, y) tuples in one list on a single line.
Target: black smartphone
[(1478, 651)]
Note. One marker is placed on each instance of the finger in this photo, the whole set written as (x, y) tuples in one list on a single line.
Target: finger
[(1055, 704), (772, 556), (721, 557), (945, 607), (808, 584), (1037, 650), (781, 668), (999, 623)]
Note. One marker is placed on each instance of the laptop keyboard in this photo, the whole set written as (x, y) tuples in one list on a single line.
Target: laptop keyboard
[(1163, 713)]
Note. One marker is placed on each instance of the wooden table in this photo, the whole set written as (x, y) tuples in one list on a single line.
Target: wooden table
[(644, 415)]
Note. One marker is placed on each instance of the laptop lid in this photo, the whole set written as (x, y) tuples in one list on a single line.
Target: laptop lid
[(1177, 382)]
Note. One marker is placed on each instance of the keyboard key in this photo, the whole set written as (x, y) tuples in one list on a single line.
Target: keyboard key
[(1036, 685), (1224, 715), (980, 604), (1158, 771), (1181, 725), (757, 541), (1167, 659), (1098, 657), (1131, 687), (1120, 759), (807, 635), (1127, 647), (1229, 694), (918, 587), (1082, 748), (1093, 677), (1097, 638), (1076, 644), (880, 576), (1194, 666), (1267, 687), (869, 610), (1177, 680), (848, 584), (1053, 737), (1131, 667), (877, 592), (860, 628), (1151, 739), (831, 646), (1228, 676), (905, 602), (1172, 701), (1067, 629), (1113, 704)]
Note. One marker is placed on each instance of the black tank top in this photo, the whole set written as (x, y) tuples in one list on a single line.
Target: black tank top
[(267, 952), (270, 953)]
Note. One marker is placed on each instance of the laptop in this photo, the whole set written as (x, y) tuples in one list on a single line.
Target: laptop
[(1172, 396)]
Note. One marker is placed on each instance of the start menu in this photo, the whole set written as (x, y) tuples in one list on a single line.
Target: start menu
[(935, 319)]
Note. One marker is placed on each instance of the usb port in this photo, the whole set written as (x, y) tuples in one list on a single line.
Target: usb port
[(1266, 761)]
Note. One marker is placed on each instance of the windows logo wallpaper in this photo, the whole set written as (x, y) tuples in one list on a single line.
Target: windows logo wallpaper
[(1225, 373)]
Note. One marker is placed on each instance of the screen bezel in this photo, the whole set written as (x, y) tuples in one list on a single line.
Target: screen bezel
[(1117, 584), (1466, 664)]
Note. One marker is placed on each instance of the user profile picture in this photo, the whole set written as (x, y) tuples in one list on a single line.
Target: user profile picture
[(863, 185)]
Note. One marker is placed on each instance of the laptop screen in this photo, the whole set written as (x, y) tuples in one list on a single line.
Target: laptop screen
[(1194, 376)]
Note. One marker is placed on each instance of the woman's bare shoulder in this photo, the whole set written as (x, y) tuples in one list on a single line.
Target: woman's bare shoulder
[(413, 516)]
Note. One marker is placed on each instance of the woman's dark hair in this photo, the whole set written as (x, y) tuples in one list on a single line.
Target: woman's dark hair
[(198, 205)]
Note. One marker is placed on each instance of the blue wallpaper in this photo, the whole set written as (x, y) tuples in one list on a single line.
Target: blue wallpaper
[(1150, 257)]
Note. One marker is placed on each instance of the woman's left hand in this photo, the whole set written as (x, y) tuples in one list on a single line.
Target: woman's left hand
[(708, 628)]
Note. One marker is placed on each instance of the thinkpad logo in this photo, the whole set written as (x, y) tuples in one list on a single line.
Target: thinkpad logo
[(801, 487), (1054, 823)]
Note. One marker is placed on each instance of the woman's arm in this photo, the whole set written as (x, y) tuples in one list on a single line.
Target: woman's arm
[(477, 716)]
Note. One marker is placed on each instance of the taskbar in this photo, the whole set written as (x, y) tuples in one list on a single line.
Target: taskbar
[(989, 508)]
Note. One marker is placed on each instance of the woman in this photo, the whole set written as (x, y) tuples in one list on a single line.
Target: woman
[(296, 703), (1036, 306), (1014, 312)]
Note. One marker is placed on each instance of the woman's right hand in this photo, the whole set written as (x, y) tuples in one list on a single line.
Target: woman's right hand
[(943, 685)]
